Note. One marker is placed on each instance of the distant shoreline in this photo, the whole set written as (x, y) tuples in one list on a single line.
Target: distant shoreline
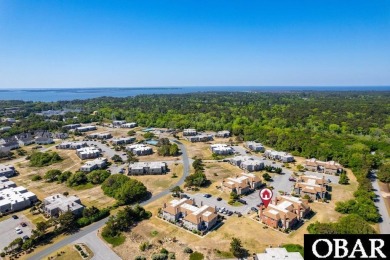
[(67, 94)]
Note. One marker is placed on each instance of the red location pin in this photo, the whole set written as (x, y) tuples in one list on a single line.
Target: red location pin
[(266, 196)]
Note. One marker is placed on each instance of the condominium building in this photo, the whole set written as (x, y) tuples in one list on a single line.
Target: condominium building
[(123, 140), (222, 149), (280, 156), (86, 128), (88, 153), (145, 168), (254, 146), (7, 171), (201, 218), (71, 145), (200, 138), (98, 163), (241, 184), (129, 125), (189, 132), (58, 204), (278, 254), (14, 198), (313, 186), (223, 134), (100, 135), (330, 167), (284, 212), (139, 149), (247, 163)]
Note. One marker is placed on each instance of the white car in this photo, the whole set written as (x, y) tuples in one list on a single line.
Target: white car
[(18, 231)]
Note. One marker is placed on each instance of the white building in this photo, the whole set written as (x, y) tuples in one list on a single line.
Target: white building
[(100, 135), (279, 156), (118, 122), (223, 134), (139, 149), (247, 163), (98, 163), (278, 254), (123, 140), (6, 171), (71, 126), (58, 204), (222, 149), (142, 168), (86, 128), (189, 132), (14, 198), (88, 153), (71, 145), (254, 146), (5, 183), (200, 138), (129, 125)]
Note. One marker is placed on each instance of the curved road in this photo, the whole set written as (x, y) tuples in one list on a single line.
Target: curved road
[(95, 226)]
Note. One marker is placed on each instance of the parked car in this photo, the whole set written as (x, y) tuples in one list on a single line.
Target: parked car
[(23, 224), (25, 237), (292, 179), (207, 195), (15, 217), (254, 209), (219, 199), (230, 213), (242, 201), (18, 231)]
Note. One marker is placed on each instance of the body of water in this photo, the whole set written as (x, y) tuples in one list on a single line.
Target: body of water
[(56, 94)]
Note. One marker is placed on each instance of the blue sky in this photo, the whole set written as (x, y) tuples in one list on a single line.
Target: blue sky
[(94, 43)]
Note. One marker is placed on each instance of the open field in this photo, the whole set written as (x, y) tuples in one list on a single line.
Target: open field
[(200, 150), (158, 183), (66, 252)]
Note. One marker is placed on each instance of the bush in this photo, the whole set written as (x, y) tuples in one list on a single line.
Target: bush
[(82, 222), (64, 176), (164, 251), (36, 177), (159, 257), (38, 159), (124, 189), (52, 175), (384, 173), (196, 256), (144, 246), (98, 176), (140, 258), (77, 179), (171, 256), (188, 250)]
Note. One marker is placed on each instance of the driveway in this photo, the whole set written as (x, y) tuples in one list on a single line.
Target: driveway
[(384, 226), (8, 233), (100, 249)]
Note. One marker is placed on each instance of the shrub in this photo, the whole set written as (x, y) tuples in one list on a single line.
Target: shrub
[(82, 222), (36, 177), (196, 256), (188, 250), (164, 251), (159, 257), (38, 159), (76, 179), (140, 258)]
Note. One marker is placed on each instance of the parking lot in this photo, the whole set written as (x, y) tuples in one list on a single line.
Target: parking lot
[(252, 200), (8, 232)]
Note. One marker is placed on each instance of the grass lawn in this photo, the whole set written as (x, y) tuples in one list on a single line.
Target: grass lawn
[(115, 241), (66, 252), (294, 248), (236, 204), (84, 186)]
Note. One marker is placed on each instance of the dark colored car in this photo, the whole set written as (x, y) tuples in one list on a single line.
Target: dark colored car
[(26, 237), (219, 199), (242, 201), (254, 209), (292, 179), (23, 224), (207, 195), (15, 217)]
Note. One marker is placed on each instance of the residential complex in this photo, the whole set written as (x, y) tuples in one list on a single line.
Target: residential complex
[(71, 126), (71, 145), (100, 135), (201, 218), (313, 186), (330, 167), (285, 212), (7, 171), (85, 128), (144, 168), (279, 156), (222, 149), (200, 138), (88, 153), (278, 254), (254, 146), (98, 163), (129, 125), (189, 132), (241, 184), (139, 149), (58, 204), (223, 134), (14, 198), (247, 163), (123, 140)]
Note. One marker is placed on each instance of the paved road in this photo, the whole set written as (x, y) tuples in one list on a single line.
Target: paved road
[(384, 226), (100, 249), (95, 226)]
